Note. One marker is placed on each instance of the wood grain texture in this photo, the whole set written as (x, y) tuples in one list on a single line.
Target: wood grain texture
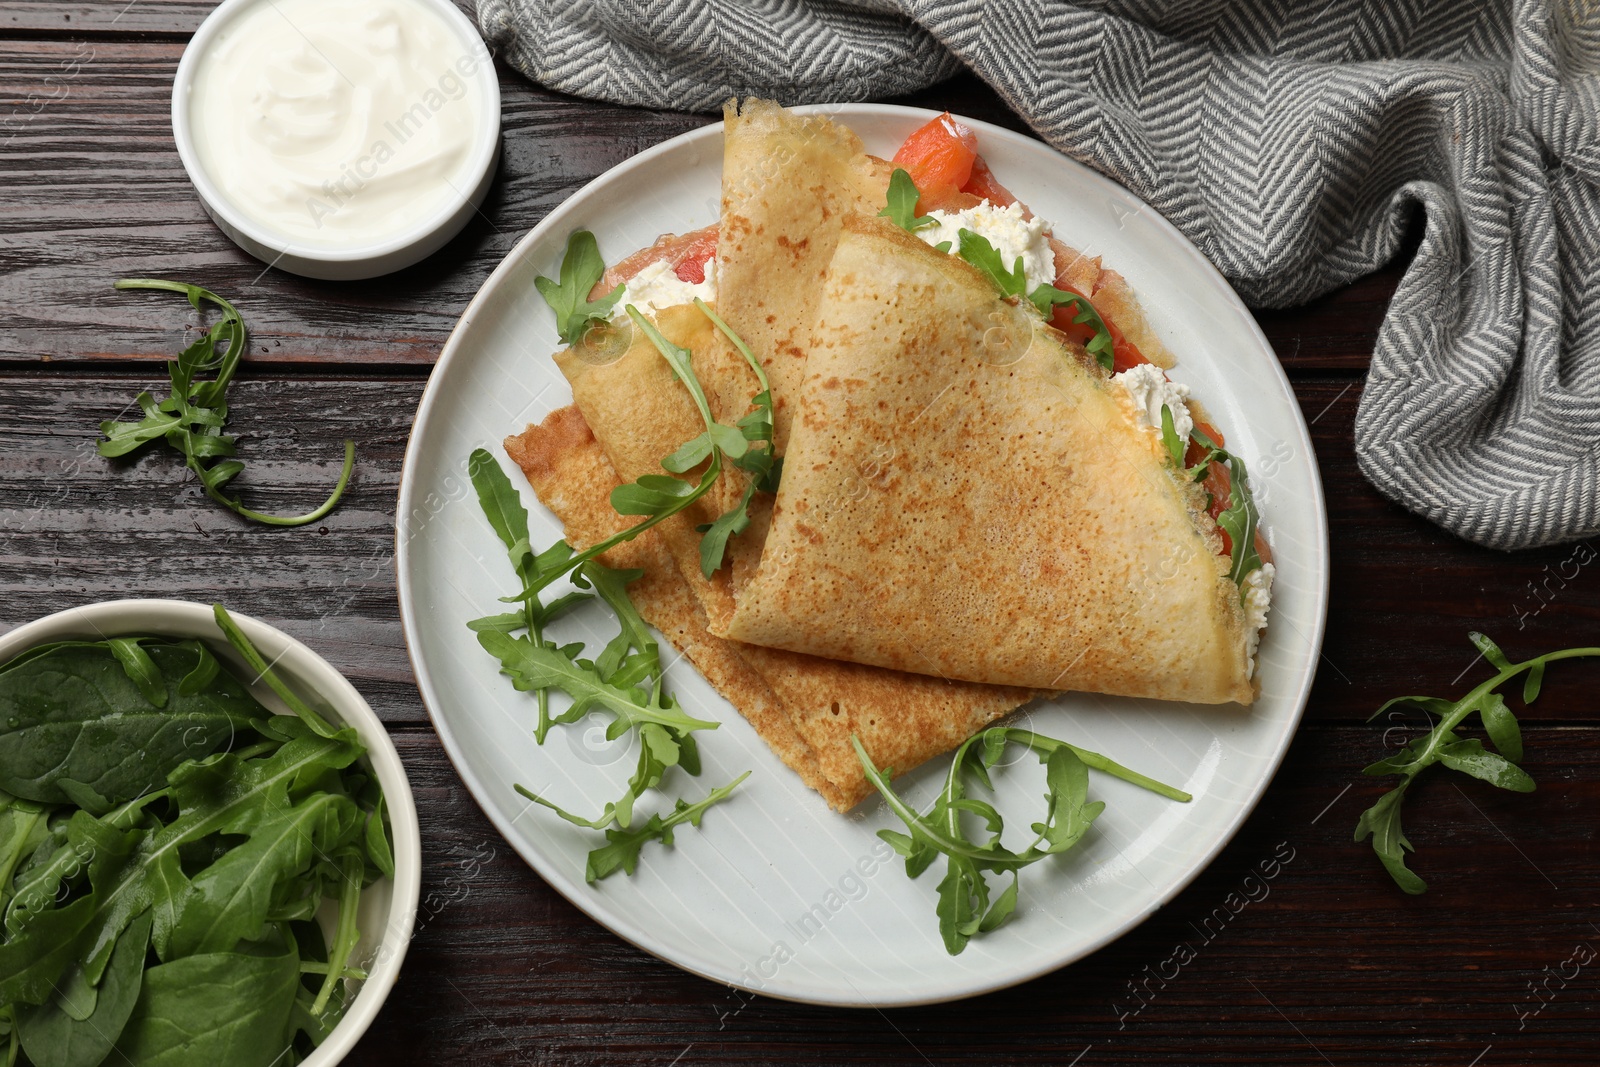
[(176, 18)]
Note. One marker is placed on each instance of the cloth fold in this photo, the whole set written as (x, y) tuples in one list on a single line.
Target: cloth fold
[(1294, 143)]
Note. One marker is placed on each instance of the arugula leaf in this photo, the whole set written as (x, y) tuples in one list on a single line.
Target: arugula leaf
[(901, 205), (1240, 519), (531, 667), (976, 250), (720, 442), (761, 461), (622, 848), (1100, 346), (964, 907), (230, 899), (1169, 437), (192, 418), (502, 506), (581, 269), (1467, 755)]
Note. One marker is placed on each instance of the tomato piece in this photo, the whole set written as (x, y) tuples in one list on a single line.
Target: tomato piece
[(983, 185), (1124, 353), (939, 158)]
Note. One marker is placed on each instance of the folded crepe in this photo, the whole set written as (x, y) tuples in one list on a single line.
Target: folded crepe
[(628, 413), (795, 190), (966, 493)]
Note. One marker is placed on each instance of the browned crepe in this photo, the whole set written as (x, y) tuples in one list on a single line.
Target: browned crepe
[(966, 494), (804, 708)]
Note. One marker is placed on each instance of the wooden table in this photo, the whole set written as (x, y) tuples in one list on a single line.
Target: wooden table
[(1326, 962)]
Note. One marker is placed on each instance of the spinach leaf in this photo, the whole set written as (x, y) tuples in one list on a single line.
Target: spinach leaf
[(53, 1036), (231, 898), (74, 726), (223, 1008)]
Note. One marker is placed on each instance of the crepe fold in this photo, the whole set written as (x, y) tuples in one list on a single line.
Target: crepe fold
[(628, 413), (788, 182), (966, 494)]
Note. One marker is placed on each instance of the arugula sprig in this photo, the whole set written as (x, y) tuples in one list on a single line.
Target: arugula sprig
[(193, 417), (1443, 745), (581, 269), (760, 459), (1100, 346), (625, 680), (1241, 517), (965, 906), (747, 445)]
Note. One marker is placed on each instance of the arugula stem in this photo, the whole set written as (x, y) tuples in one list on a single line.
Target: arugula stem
[(264, 672), (738, 342), (346, 935), (1046, 745), (283, 520), (313, 967), (230, 317), (1467, 704)]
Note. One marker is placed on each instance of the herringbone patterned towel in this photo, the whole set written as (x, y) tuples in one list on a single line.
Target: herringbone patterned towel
[(1292, 140)]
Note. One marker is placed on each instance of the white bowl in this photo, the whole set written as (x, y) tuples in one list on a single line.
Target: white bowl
[(363, 261), (388, 907)]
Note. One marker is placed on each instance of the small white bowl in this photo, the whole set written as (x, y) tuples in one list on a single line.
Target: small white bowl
[(388, 907), (363, 261)]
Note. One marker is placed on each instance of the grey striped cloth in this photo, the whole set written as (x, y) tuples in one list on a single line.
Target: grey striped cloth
[(1294, 143)]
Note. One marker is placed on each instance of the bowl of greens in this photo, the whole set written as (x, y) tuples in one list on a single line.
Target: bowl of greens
[(208, 846)]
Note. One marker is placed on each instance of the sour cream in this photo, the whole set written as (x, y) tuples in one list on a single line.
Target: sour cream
[(1150, 391), (1257, 593), (1007, 230), (339, 123), (656, 287)]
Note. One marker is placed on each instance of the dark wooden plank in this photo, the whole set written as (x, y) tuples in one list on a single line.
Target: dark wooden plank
[(96, 192), (1323, 959), (75, 529), (72, 17)]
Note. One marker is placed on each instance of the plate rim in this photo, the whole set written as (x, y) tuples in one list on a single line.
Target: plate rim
[(590, 906)]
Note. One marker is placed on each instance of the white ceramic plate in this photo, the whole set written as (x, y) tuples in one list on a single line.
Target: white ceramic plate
[(775, 893)]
